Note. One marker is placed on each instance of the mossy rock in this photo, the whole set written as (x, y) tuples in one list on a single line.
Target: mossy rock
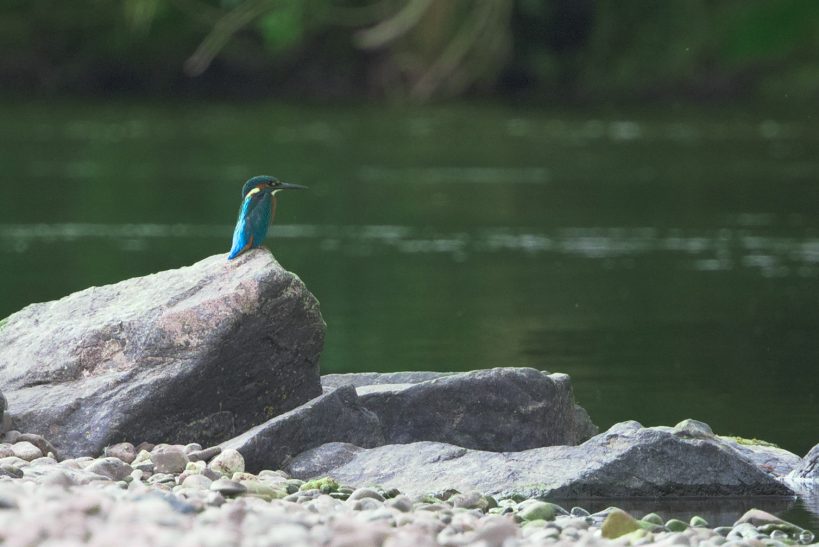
[(750, 442), (430, 498), (653, 518), (698, 522), (676, 525), (325, 485), (618, 523), (538, 510)]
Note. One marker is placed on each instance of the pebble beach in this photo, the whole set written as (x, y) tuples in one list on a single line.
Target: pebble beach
[(189, 495)]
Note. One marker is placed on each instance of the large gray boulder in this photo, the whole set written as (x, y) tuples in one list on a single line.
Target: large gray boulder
[(4, 421), (769, 458), (500, 409), (808, 468), (194, 354), (335, 416), (625, 461)]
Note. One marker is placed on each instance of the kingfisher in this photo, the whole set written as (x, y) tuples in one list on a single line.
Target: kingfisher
[(257, 211)]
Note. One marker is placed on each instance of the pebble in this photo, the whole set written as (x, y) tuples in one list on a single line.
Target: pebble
[(676, 525), (401, 503), (113, 468), (361, 493), (228, 487), (124, 451), (199, 482), (618, 523), (227, 462), (169, 460), (536, 510), (26, 451), (39, 441)]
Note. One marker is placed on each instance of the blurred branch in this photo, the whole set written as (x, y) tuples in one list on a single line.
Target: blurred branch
[(393, 28), (496, 47), (478, 25), (223, 31)]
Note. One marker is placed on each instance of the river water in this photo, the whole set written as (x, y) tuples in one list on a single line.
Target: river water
[(667, 260)]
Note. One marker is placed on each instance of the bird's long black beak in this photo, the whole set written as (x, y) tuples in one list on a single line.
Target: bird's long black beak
[(288, 186)]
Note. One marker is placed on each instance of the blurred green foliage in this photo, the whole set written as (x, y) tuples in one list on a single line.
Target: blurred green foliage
[(542, 50)]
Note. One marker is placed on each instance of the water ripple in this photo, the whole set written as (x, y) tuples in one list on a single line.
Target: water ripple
[(702, 250)]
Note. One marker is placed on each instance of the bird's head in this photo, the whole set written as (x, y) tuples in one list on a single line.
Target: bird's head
[(266, 184)]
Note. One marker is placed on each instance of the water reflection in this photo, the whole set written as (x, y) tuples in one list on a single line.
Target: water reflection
[(714, 250)]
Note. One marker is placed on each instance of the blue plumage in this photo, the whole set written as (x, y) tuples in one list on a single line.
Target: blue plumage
[(256, 213)]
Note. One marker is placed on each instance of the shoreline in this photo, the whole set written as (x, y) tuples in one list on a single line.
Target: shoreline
[(167, 495)]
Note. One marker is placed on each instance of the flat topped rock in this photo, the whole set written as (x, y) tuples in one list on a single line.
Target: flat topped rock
[(358, 379), (625, 461), (193, 354), (499, 409)]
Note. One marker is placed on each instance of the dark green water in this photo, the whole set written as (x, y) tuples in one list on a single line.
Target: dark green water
[(667, 261)]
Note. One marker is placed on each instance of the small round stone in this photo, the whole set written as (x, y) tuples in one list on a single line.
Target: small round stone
[(158, 478), (169, 459), (271, 474), (653, 518), (227, 487), (124, 451), (537, 510), (676, 525), (197, 481), (37, 440), (26, 451), (401, 503), (360, 493), (113, 468), (141, 457), (264, 490), (228, 462), (470, 500), (364, 504), (618, 523), (698, 522), (579, 512)]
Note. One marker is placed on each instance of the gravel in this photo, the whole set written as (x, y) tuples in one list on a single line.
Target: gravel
[(159, 495)]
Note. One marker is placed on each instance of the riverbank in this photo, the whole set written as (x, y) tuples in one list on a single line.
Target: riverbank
[(187, 495)]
